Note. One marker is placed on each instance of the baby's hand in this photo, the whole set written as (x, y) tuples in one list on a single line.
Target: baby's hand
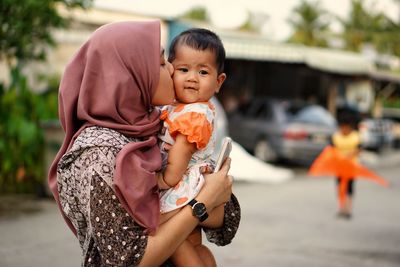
[(161, 182), (167, 146), (206, 169)]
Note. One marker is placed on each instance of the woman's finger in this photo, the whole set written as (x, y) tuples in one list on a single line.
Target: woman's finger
[(226, 166)]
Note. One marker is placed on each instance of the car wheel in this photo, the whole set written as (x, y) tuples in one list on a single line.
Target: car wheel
[(264, 151)]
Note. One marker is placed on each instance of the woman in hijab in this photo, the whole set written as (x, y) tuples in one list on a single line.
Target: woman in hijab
[(103, 177)]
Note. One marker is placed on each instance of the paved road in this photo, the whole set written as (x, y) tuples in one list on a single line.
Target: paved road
[(294, 224), (291, 224)]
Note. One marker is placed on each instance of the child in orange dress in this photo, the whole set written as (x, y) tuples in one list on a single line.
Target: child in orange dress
[(188, 137), (347, 141)]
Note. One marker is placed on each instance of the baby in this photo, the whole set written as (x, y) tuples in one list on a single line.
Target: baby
[(188, 137)]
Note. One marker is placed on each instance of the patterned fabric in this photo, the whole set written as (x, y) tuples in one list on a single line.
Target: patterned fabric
[(224, 235), (196, 122), (107, 235)]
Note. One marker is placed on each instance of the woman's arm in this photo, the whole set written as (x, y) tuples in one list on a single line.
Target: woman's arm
[(178, 159), (215, 218), (216, 191)]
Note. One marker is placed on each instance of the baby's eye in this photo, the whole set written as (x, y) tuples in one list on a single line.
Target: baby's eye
[(183, 69), (203, 72)]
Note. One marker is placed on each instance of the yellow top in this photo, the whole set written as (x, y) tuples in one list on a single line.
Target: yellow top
[(348, 144)]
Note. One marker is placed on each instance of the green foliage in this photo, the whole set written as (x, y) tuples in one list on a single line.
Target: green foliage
[(197, 13), (200, 14), (21, 137), (310, 22), (367, 25), (25, 26), (392, 103), (360, 25)]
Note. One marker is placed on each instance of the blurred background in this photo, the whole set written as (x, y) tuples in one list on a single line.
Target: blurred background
[(292, 65)]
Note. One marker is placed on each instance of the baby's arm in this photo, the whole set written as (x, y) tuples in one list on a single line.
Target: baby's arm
[(178, 159)]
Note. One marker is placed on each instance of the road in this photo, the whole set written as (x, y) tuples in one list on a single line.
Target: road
[(295, 224), (285, 225)]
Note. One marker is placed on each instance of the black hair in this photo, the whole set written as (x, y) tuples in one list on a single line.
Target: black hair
[(200, 39), (344, 118)]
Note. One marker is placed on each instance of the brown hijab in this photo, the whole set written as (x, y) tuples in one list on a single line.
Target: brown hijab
[(109, 83)]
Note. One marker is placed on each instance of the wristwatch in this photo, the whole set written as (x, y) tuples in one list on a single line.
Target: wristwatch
[(198, 210)]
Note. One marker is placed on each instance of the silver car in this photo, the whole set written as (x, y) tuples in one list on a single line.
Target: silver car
[(376, 134), (275, 129)]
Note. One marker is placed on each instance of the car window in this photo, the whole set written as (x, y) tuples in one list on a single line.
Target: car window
[(314, 114)]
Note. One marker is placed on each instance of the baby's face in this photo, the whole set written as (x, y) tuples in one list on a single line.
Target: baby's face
[(195, 75)]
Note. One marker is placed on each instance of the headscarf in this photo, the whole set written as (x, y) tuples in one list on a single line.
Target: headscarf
[(110, 83)]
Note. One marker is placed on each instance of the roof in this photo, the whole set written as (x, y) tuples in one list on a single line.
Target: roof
[(250, 46), (385, 76), (330, 60)]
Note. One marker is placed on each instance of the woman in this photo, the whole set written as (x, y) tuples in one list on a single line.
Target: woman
[(103, 177)]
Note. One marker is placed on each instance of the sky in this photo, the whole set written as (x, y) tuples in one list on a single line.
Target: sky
[(228, 14)]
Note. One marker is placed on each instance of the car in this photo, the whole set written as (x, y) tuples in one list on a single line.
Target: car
[(376, 133), (393, 114), (275, 129)]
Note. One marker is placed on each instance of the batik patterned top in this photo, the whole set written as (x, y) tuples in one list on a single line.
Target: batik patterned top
[(107, 234)]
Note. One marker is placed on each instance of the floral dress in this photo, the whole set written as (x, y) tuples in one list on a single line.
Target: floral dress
[(107, 234), (196, 122)]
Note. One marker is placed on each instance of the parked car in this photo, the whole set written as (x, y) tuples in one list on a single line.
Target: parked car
[(393, 114), (376, 134), (275, 129)]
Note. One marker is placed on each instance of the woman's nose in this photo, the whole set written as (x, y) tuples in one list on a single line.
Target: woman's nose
[(170, 68)]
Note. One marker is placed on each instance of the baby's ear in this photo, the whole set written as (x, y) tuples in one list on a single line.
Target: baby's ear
[(220, 80)]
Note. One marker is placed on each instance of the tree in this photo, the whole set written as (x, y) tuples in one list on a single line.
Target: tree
[(26, 26), (367, 25), (358, 28), (200, 14), (310, 22), (197, 13)]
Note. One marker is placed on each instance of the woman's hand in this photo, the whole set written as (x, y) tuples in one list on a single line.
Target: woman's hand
[(217, 188)]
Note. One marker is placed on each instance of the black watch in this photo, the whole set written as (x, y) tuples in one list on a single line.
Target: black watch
[(199, 210)]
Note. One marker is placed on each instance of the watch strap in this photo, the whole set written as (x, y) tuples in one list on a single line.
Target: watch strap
[(192, 202), (201, 217)]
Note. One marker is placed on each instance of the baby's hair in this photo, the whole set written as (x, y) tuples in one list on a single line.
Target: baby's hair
[(200, 39)]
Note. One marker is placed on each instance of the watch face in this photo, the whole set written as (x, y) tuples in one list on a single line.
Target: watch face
[(199, 209)]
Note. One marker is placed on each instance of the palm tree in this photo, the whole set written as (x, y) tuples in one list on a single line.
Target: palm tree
[(365, 25), (358, 27), (310, 23), (196, 13)]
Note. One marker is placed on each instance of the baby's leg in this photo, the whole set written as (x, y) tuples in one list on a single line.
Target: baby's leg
[(193, 253), (206, 255), (187, 256), (203, 251)]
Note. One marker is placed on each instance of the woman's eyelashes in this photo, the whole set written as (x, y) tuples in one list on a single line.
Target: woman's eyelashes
[(163, 62)]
